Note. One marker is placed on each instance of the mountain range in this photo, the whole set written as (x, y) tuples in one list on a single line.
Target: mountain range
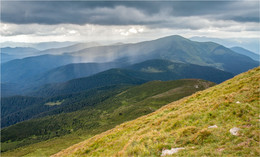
[(65, 95), (174, 48), (75, 70), (246, 52), (8, 53), (40, 46), (71, 48), (22, 70), (250, 44), (135, 74), (132, 75), (44, 69), (150, 70)]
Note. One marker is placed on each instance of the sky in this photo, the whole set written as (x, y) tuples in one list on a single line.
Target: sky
[(127, 21)]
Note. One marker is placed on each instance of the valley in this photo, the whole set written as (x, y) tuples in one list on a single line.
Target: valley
[(30, 73), (130, 78), (86, 91), (89, 115)]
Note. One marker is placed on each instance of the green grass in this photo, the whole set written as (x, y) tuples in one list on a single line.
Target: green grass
[(185, 123), (45, 148), (91, 120)]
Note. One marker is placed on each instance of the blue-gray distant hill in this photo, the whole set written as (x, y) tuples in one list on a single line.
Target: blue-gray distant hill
[(136, 74), (71, 48), (73, 71), (246, 52), (6, 57), (9, 53), (22, 70), (174, 48)]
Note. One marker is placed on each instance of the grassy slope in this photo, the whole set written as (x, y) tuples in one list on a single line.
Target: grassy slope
[(80, 125), (185, 123)]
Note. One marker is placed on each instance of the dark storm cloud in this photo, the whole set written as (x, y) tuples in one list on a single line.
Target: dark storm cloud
[(153, 14), (245, 19), (69, 12)]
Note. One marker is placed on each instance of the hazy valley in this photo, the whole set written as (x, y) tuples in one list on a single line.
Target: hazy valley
[(62, 97), (130, 78)]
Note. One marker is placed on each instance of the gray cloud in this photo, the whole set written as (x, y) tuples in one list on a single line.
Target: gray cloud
[(151, 14)]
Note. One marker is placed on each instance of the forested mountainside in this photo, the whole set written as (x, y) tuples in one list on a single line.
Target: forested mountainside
[(74, 118)]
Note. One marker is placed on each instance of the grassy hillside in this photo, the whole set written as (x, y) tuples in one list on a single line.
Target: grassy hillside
[(93, 119), (185, 123)]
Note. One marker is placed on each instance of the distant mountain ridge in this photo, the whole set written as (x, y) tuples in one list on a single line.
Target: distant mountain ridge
[(40, 46), (174, 48), (136, 74), (106, 78), (19, 51), (20, 70), (251, 44), (73, 71), (159, 69), (6, 57), (246, 52), (28, 71), (9, 53), (71, 48)]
